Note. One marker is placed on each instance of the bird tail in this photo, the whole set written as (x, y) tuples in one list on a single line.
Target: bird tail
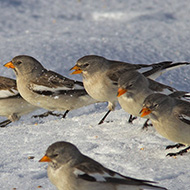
[(161, 68)]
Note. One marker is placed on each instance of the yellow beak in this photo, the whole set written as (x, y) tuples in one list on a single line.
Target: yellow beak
[(121, 91), (45, 159), (77, 70), (9, 65), (145, 111)]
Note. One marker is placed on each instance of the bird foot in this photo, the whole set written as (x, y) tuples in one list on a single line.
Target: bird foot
[(178, 145), (146, 125), (51, 113), (46, 114), (5, 123), (131, 119), (181, 152)]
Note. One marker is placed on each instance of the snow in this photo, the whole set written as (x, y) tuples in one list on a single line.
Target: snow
[(58, 33)]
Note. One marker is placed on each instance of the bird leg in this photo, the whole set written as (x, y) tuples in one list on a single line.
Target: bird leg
[(181, 152), (102, 120), (5, 123), (66, 112), (131, 119)]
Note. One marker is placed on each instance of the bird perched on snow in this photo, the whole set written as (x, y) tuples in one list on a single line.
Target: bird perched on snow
[(47, 89), (69, 169), (12, 105), (170, 117), (134, 87), (100, 76)]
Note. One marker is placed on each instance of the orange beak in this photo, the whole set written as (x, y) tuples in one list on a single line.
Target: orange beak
[(145, 111), (9, 65), (45, 159), (121, 91), (77, 70)]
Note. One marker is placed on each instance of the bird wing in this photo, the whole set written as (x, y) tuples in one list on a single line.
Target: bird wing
[(8, 87), (51, 83), (159, 68), (182, 95), (182, 111), (152, 71), (160, 88), (155, 69), (118, 68), (92, 171)]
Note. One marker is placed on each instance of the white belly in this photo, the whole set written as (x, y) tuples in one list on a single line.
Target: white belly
[(100, 88), (130, 105), (177, 132)]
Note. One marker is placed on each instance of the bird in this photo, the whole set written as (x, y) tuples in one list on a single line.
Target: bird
[(134, 87), (171, 118), (47, 89), (100, 76), (13, 106), (69, 169)]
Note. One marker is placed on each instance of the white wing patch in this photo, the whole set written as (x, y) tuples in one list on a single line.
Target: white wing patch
[(78, 87), (36, 87), (156, 74), (186, 97), (174, 67), (98, 176), (8, 93), (78, 172), (182, 116), (167, 91), (102, 177), (187, 94), (145, 69), (45, 88), (162, 71)]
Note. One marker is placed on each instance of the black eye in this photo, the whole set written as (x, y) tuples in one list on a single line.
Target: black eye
[(155, 105), (19, 62), (55, 155), (85, 65), (130, 85)]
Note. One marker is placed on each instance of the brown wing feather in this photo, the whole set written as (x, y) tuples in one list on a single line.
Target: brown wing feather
[(52, 80), (7, 83)]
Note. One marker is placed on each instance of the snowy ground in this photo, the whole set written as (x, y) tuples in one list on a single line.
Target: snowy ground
[(57, 33)]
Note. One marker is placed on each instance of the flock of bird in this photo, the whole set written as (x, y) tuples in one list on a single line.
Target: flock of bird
[(132, 85)]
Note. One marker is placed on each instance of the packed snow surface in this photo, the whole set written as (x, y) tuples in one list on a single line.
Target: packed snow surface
[(58, 33)]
